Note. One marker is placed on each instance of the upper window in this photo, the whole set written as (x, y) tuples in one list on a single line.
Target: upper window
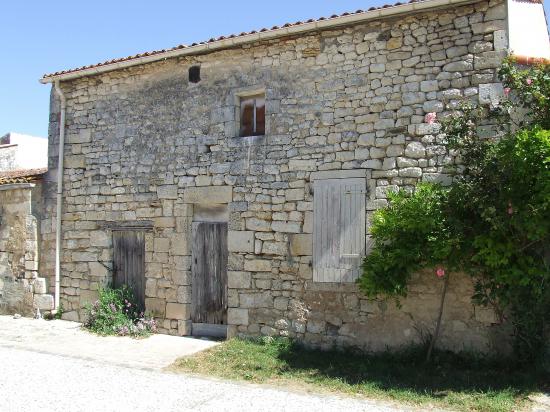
[(252, 119), (195, 74)]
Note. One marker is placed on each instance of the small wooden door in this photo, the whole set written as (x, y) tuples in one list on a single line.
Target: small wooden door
[(129, 262), (209, 273)]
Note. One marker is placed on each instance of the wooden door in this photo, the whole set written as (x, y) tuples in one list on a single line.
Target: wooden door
[(129, 262), (209, 273)]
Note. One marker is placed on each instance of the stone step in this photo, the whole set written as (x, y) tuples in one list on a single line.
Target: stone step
[(209, 330)]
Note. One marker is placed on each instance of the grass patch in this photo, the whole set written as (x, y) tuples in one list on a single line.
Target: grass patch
[(460, 382)]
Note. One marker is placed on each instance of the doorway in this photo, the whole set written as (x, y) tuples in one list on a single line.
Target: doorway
[(129, 263), (209, 274)]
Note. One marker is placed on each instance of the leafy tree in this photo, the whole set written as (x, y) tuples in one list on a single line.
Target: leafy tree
[(492, 222)]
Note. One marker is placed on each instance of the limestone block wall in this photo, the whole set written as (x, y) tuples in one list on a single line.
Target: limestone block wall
[(144, 143), (21, 289)]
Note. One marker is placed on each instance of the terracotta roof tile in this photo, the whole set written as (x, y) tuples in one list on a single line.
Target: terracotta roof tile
[(215, 39), (21, 176)]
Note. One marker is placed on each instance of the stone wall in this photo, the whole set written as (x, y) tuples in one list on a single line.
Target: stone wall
[(8, 154), (21, 289), (145, 144)]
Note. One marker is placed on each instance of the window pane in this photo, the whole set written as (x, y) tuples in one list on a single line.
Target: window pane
[(247, 117), (260, 116)]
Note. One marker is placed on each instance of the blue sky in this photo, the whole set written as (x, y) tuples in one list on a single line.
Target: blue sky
[(40, 37)]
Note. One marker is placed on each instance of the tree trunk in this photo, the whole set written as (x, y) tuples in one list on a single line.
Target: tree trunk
[(438, 325)]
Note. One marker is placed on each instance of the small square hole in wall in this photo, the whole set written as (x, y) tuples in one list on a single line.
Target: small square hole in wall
[(195, 74), (252, 115)]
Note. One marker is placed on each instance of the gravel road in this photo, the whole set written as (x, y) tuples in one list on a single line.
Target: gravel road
[(34, 381)]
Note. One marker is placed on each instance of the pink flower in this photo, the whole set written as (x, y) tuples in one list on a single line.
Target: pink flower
[(510, 209), (430, 118), (440, 272), (506, 91), (529, 81)]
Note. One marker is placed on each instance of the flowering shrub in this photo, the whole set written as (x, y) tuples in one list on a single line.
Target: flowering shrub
[(492, 222), (530, 89), (116, 313), (502, 212), (411, 233), (430, 118)]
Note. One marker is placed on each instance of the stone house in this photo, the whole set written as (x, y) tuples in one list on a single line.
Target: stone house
[(23, 161), (231, 182), (22, 290)]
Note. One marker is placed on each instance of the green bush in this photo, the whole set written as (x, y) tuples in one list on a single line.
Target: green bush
[(411, 233), (504, 217), (116, 313), (530, 88)]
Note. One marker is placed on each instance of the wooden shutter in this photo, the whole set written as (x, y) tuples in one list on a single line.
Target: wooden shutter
[(259, 129), (247, 117), (129, 262), (339, 217), (209, 272)]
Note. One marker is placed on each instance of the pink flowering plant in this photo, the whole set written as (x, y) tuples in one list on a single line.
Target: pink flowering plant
[(528, 87), (492, 222), (430, 118), (116, 312)]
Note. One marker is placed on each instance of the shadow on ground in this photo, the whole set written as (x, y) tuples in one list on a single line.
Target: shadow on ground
[(408, 371)]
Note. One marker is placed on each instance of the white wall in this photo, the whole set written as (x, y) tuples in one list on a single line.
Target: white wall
[(31, 151), (528, 30)]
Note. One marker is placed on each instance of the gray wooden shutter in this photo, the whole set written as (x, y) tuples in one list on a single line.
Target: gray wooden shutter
[(209, 272), (129, 262), (339, 218)]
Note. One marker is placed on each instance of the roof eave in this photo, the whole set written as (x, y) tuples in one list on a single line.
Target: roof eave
[(251, 38)]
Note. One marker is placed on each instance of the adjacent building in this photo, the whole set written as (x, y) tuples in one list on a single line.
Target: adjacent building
[(23, 161), (20, 152)]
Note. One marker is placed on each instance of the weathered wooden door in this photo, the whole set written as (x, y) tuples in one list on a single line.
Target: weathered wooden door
[(209, 273), (129, 262)]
